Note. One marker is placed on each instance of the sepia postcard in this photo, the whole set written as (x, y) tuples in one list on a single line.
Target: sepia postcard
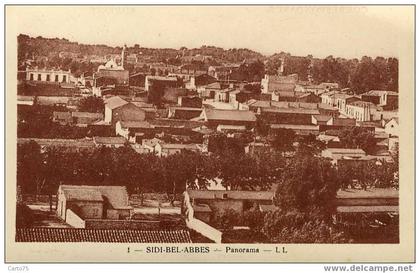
[(209, 134)]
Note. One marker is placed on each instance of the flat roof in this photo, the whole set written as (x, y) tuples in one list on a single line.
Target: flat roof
[(369, 193), (238, 195)]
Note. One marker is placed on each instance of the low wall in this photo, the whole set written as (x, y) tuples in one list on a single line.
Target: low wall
[(205, 230), (74, 220), (121, 224)]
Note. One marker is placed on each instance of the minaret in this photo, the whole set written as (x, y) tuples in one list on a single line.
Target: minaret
[(281, 68), (123, 55)]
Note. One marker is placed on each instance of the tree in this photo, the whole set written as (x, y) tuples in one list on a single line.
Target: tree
[(29, 166), (283, 140), (358, 137), (307, 182), (92, 105), (156, 93), (254, 88), (285, 226), (243, 172)]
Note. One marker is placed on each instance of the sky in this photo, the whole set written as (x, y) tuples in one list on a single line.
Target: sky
[(349, 32)]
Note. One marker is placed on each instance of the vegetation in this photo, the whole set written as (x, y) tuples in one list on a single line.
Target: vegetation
[(359, 75), (36, 122), (358, 137), (91, 104)]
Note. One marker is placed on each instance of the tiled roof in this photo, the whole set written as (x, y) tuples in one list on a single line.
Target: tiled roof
[(291, 111), (295, 127), (135, 124), (87, 115), (285, 93), (322, 117), (109, 140), (161, 78), (380, 93), (101, 236), (237, 115), (179, 146), (362, 104), (214, 85), (175, 123), (115, 102)]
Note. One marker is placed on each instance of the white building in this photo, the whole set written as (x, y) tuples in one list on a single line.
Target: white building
[(392, 127), (360, 110), (48, 75)]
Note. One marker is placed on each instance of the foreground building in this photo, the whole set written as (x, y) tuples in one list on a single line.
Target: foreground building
[(93, 202)]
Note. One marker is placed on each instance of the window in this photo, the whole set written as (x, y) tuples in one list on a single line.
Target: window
[(31, 77), (48, 78), (39, 77), (56, 78), (64, 78)]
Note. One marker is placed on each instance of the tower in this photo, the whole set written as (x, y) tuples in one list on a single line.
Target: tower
[(124, 56), (281, 67)]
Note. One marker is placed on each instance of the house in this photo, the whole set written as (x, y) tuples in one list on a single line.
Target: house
[(343, 100), (322, 120), (137, 79), (315, 89), (222, 72), (330, 141), (360, 110), (283, 96), (215, 117), (230, 128), (209, 90), (330, 97), (388, 99), (200, 80), (255, 148), (308, 97), (63, 118), (190, 101), (117, 108), (271, 83), (112, 71), (48, 75), (86, 118), (299, 129), (93, 202), (222, 95), (128, 129), (300, 116), (166, 149), (111, 142), (370, 200), (25, 100), (171, 94), (392, 127), (149, 144), (340, 154), (160, 80), (176, 112), (205, 205)]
